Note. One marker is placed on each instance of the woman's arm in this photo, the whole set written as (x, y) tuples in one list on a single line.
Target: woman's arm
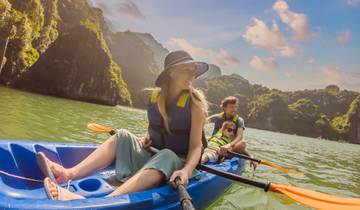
[(193, 157), (197, 123)]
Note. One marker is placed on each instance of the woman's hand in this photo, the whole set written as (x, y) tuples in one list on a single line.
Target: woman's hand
[(145, 141), (184, 177)]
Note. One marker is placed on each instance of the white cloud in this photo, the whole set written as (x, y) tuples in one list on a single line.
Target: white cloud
[(298, 22), (221, 58), (122, 7), (290, 74), (332, 74), (353, 2), (130, 8), (262, 36), (344, 37), (264, 65), (311, 61), (288, 51)]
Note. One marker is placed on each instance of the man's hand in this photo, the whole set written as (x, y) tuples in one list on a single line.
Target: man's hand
[(253, 165)]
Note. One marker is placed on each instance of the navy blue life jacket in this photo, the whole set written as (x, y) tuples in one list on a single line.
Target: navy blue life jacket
[(179, 113)]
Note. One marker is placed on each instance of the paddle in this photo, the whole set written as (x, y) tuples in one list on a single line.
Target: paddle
[(263, 162), (306, 197), (185, 198)]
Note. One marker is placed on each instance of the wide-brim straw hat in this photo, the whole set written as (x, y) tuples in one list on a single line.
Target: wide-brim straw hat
[(177, 59)]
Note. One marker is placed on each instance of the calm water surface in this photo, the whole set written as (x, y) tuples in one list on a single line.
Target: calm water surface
[(330, 167)]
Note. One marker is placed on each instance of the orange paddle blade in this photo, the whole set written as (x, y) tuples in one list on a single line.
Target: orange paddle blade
[(289, 171), (98, 128), (317, 200)]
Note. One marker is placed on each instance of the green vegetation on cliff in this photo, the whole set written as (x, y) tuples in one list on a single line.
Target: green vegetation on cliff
[(217, 88), (325, 113), (271, 110), (114, 69), (304, 114), (21, 23), (49, 32), (341, 124)]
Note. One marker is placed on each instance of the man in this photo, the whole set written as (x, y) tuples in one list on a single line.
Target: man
[(230, 105)]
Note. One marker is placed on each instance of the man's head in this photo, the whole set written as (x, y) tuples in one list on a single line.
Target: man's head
[(230, 105)]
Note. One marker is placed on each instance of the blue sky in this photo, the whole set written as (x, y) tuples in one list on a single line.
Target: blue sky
[(283, 44)]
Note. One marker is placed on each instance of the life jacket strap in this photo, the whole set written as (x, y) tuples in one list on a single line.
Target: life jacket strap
[(154, 96), (234, 119), (182, 100)]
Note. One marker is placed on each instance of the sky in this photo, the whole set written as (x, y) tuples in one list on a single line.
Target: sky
[(282, 44)]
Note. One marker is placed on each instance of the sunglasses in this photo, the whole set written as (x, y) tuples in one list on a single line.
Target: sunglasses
[(230, 129)]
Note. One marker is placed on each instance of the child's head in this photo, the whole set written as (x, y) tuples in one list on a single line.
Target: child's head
[(228, 129)]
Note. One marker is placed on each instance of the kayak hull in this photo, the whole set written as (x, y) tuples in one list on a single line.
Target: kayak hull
[(18, 158)]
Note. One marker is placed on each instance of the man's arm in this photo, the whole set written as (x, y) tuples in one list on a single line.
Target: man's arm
[(211, 119), (240, 132), (238, 138)]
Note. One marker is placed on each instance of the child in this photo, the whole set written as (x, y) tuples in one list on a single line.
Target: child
[(224, 136)]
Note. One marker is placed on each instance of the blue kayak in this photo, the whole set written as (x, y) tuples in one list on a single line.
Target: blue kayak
[(18, 158)]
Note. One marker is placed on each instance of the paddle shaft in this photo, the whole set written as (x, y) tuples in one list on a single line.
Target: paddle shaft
[(243, 156), (185, 199), (237, 154), (234, 177)]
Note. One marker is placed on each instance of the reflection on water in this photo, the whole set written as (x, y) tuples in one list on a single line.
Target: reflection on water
[(329, 167)]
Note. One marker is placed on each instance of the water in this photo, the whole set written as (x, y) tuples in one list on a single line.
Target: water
[(330, 167)]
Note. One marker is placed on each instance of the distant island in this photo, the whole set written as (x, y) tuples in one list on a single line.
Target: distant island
[(66, 49)]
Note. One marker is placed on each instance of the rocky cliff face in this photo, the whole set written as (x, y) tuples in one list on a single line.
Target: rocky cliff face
[(58, 48), (158, 49), (81, 72), (139, 62)]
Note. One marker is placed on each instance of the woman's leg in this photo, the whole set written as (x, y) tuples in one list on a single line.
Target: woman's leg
[(160, 167), (103, 156), (143, 180), (240, 147)]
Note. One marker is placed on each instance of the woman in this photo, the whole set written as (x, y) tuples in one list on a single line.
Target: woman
[(176, 115)]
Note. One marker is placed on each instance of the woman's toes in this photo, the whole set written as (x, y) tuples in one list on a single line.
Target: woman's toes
[(55, 195)]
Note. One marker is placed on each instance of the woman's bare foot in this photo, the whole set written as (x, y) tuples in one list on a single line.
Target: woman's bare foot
[(55, 192), (60, 173)]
